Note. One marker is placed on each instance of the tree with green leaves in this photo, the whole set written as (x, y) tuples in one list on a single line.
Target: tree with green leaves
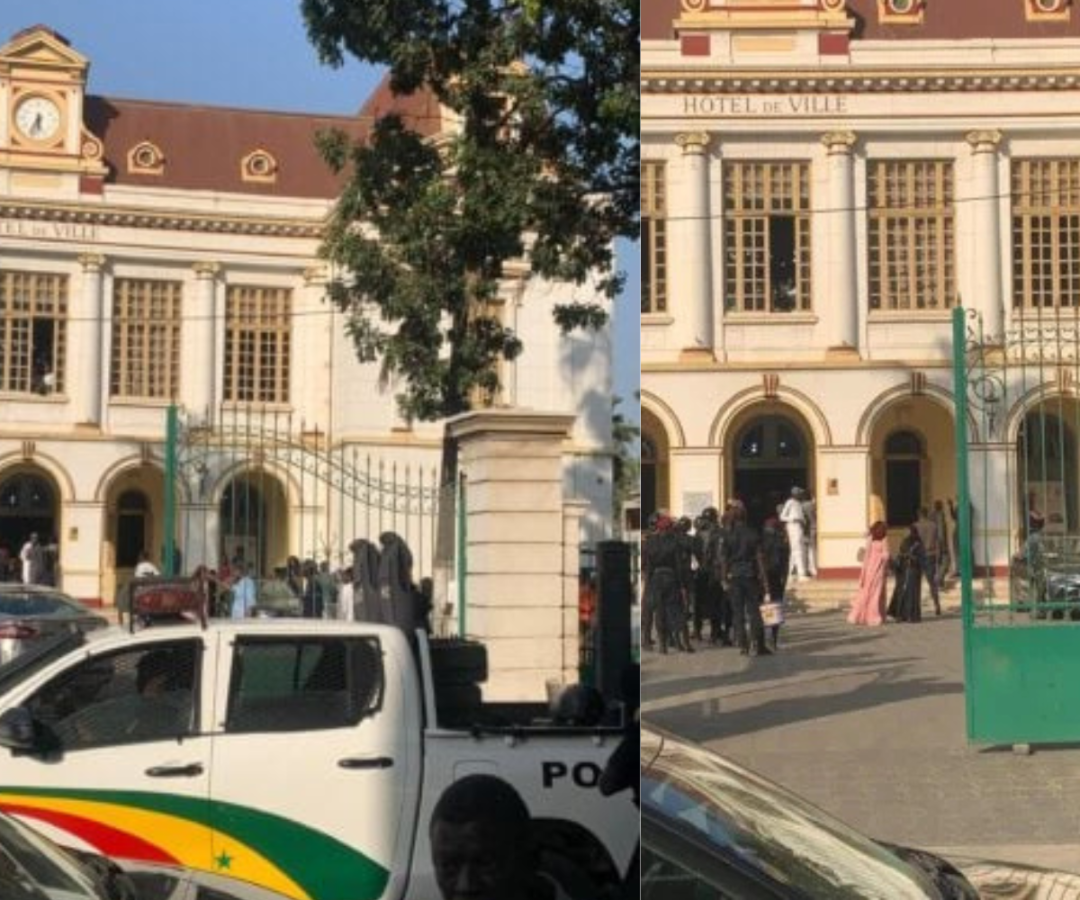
[(626, 460), (542, 166)]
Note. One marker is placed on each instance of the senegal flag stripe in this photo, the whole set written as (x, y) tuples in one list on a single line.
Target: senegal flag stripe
[(308, 864), (178, 840), (110, 841)]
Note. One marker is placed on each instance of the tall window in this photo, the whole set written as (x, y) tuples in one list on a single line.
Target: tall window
[(767, 237), (912, 244), (257, 329), (33, 331), (654, 237), (1046, 233), (146, 338)]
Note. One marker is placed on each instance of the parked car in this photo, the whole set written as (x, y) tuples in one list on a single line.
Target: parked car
[(1051, 577), (30, 613), (713, 830)]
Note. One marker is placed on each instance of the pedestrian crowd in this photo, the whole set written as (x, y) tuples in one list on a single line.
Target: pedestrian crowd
[(927, 553), (378, 587), (721, 571)]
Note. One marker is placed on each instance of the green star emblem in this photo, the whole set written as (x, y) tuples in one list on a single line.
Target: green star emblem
[(223, 860)]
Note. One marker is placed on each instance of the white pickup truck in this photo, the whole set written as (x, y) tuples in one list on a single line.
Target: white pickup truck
[(302, 756)]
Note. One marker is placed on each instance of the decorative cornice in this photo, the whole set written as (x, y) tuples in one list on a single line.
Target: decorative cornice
[(693, 143), (983, 141), (91, 262), (853, 81), (315, 275), (839, 141), (172, 220)]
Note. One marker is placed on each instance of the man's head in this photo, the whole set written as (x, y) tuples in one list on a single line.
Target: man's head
[(479, 840)]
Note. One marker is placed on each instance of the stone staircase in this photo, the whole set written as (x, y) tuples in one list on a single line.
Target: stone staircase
[(837, 593)]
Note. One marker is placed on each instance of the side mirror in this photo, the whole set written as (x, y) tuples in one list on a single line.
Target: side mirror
[(17, 731)]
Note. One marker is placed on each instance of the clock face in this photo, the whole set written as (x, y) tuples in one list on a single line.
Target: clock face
[(37, 118)]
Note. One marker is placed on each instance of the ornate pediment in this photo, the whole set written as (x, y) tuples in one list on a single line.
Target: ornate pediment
[(40, 48)]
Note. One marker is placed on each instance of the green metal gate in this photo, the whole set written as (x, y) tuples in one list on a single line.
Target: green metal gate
[(261, 483), (1017, 430)]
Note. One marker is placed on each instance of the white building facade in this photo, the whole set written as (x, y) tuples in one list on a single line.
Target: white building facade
[(823, 182), (153, 253)]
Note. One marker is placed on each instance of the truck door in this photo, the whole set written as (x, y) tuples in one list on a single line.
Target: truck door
[(126, 772), (316, 763)]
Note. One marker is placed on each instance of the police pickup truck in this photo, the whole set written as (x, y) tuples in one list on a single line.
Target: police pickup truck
[(302, 756)]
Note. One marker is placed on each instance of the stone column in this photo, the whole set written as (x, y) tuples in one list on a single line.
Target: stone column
[(201, 363), (987, 257), (84, 384), (843, 298), (693, 302), (516, 526)]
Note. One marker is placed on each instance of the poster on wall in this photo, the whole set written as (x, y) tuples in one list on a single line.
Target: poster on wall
[(1048, 498)]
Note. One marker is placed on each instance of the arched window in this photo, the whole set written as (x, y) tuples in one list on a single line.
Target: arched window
[(26, 495), (903, 443)]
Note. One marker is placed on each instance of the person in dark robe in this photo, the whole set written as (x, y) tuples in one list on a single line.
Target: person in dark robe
[(906, 603), (397, 593), (365, 572), (777, 551)]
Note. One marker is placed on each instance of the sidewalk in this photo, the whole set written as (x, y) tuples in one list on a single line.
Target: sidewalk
[(869, 724)]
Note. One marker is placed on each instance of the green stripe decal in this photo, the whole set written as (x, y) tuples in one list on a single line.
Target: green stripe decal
[(323, 866)]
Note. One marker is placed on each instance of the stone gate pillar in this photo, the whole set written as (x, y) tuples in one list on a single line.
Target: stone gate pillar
[(516, 547)]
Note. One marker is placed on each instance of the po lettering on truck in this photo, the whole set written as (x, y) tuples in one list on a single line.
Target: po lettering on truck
[(583, 774)]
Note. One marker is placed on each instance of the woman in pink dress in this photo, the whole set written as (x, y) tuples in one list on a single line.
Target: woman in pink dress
[(868, 607)]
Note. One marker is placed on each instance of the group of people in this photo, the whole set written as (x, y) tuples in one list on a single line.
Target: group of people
[(928, 552), (377, 587), (37, 562), (719, 570)]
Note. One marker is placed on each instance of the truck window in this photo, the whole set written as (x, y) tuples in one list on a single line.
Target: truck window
[(142, 694), (302, 684)]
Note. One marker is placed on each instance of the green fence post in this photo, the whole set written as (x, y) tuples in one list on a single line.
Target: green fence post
[(964, 501), (172, 423), (460, 566)]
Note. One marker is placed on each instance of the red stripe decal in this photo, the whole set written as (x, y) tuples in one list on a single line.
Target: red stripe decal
[(110, 841)]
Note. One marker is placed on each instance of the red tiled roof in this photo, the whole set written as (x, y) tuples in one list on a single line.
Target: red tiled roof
[(943, 20), (203, 145)]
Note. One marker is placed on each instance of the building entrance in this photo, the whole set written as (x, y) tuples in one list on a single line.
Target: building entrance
[(771, 457), (28, 504)]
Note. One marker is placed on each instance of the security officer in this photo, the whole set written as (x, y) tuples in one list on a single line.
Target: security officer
[(648, 600), (742, 568), (708, 601), (686, 579), (661, 561)]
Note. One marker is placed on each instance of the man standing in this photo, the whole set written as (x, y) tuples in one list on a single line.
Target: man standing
[(244, 594), (30, 556), (660, 561), (809, 507), (743, 572), (944, 556), (931, 541), (794, 518)]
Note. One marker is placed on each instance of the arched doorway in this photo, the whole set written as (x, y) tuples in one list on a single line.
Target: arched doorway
[(29, 503), (1047, 465), (134, 513), (253, 522), (655, 466), (912, 460), (770, 455)]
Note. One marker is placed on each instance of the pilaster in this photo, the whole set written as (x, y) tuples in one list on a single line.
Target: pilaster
[(985, 193), (84, 381), (200, 345), (843, 308), (692, 278)]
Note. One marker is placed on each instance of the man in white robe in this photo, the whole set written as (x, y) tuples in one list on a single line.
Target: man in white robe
[(794, 518)]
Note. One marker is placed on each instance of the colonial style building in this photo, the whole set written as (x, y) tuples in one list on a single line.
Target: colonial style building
[(823, 182), (155, 253)]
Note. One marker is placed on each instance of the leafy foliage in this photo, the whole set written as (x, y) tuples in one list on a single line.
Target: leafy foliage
[(542, 165), (626, 468)]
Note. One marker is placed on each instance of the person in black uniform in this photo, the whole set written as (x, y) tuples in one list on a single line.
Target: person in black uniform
[(742, 567), (710, 593), (777, 551), (686, 579), (661, 558), (648, 601)]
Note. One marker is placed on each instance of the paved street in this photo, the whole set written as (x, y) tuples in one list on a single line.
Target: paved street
[(869, 724)]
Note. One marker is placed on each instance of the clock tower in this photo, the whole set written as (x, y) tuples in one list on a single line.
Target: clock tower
[(44, 145)]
